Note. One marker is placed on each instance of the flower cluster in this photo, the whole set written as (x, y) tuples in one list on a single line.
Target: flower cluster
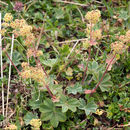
[(20, 28), (30, 39), (118, 47), (86, 44), (36, 123), (32, 52), (36, 73), (17, 24), (125, 38), (5, 25), (3, 31), (25, 30), (93, 16), (11, 127), (97, 34), (8, 17), (99, 112), (24, 64), (39, 53)]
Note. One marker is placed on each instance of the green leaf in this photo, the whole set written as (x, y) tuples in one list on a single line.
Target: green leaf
[(59, 13), (88, 108), (92, 67), (56, 89), (38, 16), (68, 103), (69, 71), (49, 62), (105, 83), (1, 118), (65, 50), (50, 112), (29, 116), (77, 88), (36, 100), (109, 8), (124, 15)]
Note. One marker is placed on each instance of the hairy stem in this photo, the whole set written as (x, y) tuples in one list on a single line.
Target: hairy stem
[(49, 91), (12, 62), (104, 73), (94, 90)]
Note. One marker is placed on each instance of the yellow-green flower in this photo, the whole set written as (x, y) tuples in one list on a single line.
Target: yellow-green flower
[(3, 31), (4, 24), (8, 17), (36, 123), (93, 16), (11, 127)]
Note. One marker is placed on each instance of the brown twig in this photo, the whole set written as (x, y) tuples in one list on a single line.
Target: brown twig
[(40, 35)]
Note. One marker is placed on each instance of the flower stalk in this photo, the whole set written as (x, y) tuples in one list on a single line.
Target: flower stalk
[(89, 51)]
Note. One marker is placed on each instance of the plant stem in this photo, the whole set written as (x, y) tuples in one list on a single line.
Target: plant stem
[(11, 60), (39, 63), (9, 74), (49, 91), (104, 73), (12, 63), (94, 90), (1, 70), (85, 76)]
